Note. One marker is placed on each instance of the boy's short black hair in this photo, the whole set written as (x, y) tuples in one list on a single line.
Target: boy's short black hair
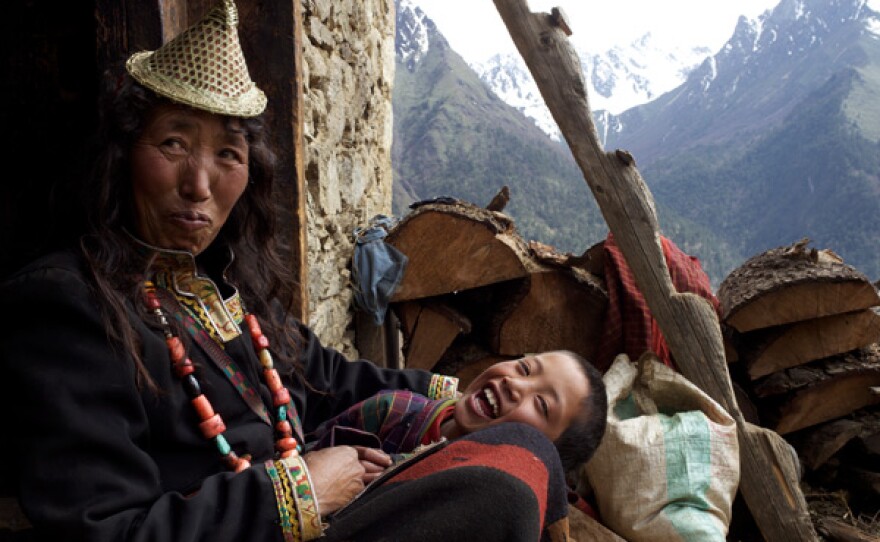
[(577, 444)]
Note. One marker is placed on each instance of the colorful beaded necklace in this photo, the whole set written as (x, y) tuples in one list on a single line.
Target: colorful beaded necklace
[(212, 426)]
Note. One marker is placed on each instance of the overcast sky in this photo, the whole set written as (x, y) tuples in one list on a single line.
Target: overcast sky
[(475, 30)]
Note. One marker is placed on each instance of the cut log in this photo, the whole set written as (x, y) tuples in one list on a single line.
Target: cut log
[(792, 284), (559, 310), (457, 246), (810, 394), (592, 260), (769, 350), (818, 444), (429, 328)]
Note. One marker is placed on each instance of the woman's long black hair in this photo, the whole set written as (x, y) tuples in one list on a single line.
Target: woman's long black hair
[(117, 270)]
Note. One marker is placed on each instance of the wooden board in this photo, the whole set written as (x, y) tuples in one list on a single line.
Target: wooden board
[(770, 350), (792, 284), (466, 360)]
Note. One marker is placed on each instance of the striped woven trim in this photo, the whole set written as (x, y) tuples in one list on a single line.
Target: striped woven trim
[(306, 503), (443, 387), (286, 503), (218, 355)]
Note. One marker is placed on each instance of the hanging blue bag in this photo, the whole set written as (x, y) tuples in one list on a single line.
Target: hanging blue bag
[(377, 267)]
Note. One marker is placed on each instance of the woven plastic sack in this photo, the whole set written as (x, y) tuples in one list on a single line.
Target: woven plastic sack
[(668, 466)]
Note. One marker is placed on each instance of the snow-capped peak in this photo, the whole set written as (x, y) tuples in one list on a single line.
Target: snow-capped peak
[(617, 79), (413, 29)]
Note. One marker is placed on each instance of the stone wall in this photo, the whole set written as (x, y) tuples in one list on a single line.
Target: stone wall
[(348, 77)]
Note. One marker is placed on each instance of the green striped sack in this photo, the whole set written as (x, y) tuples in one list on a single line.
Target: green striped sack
[(668, 466)]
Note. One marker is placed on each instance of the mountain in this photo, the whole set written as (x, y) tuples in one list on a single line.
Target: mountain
[(772, 139), (454, 137), (776, 137), (618, 79)]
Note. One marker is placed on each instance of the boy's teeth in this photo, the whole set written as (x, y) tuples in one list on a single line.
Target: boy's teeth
[(490, 396)]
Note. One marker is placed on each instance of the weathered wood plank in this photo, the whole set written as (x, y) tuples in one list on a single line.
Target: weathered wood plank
[(769, 470)]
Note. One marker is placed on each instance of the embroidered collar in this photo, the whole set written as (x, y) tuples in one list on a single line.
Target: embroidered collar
[(178, 272)]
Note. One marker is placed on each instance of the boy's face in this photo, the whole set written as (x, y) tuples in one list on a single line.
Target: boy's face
[(542, 390)]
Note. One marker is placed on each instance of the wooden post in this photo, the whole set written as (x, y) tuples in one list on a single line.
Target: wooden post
[(769, 474)]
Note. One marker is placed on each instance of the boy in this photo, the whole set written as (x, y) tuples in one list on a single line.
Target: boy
[(560, 393)]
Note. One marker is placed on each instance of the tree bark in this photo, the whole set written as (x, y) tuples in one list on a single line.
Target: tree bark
[(792, 284)]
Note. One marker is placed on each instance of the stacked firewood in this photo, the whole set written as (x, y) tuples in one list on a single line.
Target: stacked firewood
[(475, 292), (803, 330)]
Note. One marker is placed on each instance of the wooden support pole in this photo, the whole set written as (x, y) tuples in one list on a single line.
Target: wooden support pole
[(769, 474)]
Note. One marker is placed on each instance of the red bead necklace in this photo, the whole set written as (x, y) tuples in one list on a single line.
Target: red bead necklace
[(212, 426)]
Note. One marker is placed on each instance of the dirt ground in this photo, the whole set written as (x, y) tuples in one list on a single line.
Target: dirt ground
[(827, 505)]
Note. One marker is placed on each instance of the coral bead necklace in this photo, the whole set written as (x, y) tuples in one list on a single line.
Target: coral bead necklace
[(211, 425)]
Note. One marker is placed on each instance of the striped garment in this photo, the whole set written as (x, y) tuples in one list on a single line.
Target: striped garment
[(397, 421)]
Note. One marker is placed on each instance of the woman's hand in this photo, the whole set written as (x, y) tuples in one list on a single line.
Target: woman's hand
[(374, 461), (337, 476), (341, 472)]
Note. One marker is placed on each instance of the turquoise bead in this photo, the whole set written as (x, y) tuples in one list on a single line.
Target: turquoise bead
[(222, 445)]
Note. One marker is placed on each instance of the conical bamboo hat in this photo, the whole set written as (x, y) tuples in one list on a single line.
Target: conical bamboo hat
[(203, 67)]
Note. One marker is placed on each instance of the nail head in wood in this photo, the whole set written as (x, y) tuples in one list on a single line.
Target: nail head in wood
[(559, 19)]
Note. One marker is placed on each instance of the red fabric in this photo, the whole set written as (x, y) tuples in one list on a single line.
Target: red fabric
[(629, 326), (432, 434), (514, 460)]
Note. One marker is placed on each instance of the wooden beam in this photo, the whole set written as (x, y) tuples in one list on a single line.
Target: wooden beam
[(769, 477), (271, 37)]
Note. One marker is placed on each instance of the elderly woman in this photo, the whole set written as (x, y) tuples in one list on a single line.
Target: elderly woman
[(155, 385)]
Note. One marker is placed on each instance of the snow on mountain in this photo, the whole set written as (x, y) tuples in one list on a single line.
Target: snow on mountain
[(414, 29), (618, 79)]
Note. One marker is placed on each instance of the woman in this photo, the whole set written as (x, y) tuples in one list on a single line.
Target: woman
[(161, 387)]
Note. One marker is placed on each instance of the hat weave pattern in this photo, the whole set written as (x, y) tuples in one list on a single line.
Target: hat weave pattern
[(203, 67)]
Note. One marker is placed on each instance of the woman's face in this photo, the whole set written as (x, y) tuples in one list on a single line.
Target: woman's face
[(188, 170), (543, 390)]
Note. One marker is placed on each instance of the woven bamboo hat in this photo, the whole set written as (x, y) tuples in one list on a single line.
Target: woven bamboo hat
[(203, 67)]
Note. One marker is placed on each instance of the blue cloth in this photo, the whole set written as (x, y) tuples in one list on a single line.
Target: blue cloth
[(377, 268)]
